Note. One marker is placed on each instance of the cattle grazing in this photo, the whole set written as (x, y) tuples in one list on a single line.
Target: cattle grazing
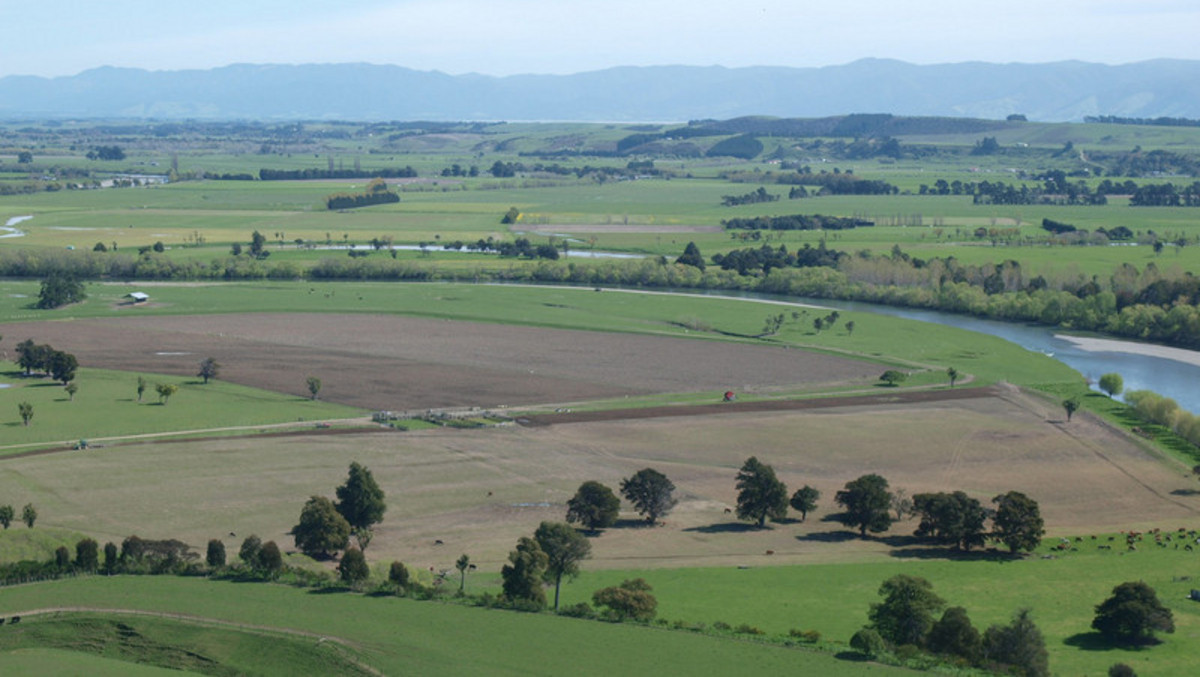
[(770, 552)]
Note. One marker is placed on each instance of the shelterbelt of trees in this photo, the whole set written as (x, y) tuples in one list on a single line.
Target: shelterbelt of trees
[(1148, 303)]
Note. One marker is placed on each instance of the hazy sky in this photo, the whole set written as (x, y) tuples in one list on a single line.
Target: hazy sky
[(504, 37)]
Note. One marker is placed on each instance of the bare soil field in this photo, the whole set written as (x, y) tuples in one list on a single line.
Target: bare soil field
[(476, 491), (405, 363)]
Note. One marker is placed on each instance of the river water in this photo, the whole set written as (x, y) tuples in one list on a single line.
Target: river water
[(1176, 379)]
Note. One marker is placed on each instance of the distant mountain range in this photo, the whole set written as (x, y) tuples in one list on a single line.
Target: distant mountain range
[(1062, 91)]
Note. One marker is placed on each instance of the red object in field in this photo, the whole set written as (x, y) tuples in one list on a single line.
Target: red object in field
[(729, 396)]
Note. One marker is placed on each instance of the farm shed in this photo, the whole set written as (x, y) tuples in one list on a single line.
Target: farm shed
[(138, 296)]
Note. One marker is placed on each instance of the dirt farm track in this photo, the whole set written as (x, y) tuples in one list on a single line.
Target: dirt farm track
[(405, 363)]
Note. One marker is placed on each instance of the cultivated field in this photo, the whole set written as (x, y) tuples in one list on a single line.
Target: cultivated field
[(406, 363), (478, 490)]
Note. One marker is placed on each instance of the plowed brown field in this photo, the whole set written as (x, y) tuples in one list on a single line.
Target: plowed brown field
[(406, 363)]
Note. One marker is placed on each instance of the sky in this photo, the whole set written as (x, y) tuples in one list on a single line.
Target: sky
[(506, 37)]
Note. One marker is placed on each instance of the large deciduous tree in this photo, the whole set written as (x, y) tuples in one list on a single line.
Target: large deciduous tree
[(1132, 615), (760, 493), (1017, 522), (25, 409), (523, 574), (60, 289), (594, 505), (907, 611), (953, 518), (650, 492), (565, 548), (322, 529), (867, 502), (360, 500), (62, 366)]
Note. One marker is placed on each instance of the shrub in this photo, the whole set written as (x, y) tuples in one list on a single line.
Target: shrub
[(868, 643), (747, 629), (581, 610)]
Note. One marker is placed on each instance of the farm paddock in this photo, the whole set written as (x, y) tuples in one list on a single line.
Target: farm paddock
[(476, 491), (411, 363)]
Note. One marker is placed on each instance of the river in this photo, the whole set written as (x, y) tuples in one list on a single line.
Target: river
[(1175, 378)]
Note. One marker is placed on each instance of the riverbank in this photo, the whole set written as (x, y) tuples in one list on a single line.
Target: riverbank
[(1099, 345)]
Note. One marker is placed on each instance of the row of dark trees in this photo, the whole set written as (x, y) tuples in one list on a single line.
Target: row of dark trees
[(34, 357), (762, 260), (376, 193), (796, 222), (406, 172), (907, 617), (753, 197)]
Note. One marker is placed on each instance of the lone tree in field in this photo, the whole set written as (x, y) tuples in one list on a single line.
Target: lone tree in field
[(29, 515), (565, 548), (760, 493), (523, 574), (322, 529), (60, 289), (650, 492), (314, 386), (141, 387), (867, 502), (1017, 522), (360, 500), (1132, 615), (462, 564), (906, 613), (6, 515), (353, 567), (804, 501), (209, 368), (1112, 384), (1070, 405), (71, 389), (26, 411), (893, 377), (594, 505), (165, 391), (952, 374)]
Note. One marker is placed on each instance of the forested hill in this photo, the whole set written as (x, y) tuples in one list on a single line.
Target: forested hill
[(1063, 91)]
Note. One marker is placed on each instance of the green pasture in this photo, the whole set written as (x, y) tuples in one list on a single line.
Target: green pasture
[(219, 213), (834, 598), (38, 661), (399, 636), (106, 405), (875, 336), (110, 641)]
